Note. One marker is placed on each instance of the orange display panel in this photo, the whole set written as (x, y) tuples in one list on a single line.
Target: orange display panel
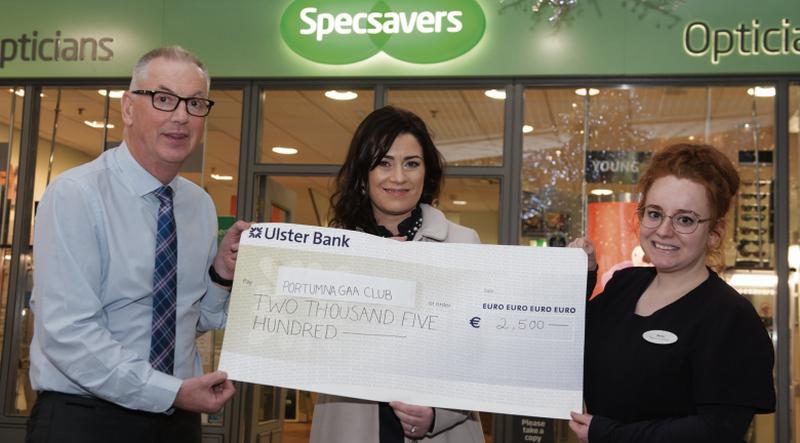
[(613, 228)]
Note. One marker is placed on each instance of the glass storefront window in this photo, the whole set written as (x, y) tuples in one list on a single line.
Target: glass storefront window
[(291, 199), (71, 131), (10, 121), (75, 126), (608, 135), (466, 124), (215, 167), (582, 151), (306, 200), (310, 126), (552, 166), (474, 203), (794, 254)]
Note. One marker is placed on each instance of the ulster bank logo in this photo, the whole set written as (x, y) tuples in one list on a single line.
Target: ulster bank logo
[(339, 32)]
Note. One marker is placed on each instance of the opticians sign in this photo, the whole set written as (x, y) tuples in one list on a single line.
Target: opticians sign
[(339, 32), (745, 39), (31, 46)]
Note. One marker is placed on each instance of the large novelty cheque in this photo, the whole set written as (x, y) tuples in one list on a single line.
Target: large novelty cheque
[(461, 326)]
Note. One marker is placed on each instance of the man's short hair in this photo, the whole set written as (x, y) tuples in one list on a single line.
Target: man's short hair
[(175, 53)]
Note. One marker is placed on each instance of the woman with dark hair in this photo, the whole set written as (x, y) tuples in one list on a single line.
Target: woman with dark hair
[(673, 353), (391, 176)]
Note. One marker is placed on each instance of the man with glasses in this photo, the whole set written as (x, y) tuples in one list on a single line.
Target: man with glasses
[(127, 274)]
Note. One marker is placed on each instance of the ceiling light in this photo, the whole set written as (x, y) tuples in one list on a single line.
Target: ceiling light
[(220, 177), (284, 150), (527, 129), (601, 192), (97, 124), (497, 94), (115, 93), (582, 91), (21, 92), (762, 91), (460, 202), (341, 95)]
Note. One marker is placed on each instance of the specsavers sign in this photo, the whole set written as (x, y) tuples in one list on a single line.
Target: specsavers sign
[(340, 32), (403, 38)]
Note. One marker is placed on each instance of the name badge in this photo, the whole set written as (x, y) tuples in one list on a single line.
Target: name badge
[(659, 337)]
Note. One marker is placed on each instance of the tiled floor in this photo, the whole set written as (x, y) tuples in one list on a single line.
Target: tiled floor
[(296, 432)]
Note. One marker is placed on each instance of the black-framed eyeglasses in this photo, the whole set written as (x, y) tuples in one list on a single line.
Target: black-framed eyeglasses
[(684, 222), (747, 253), (758, 208), (745, 241), (755, 217), (168, 102)]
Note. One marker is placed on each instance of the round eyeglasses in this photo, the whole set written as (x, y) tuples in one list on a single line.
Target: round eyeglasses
[(168, 102), (684, 222)]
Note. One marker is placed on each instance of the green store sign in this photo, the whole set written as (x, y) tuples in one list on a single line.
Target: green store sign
[(340, 32), (403, 38)]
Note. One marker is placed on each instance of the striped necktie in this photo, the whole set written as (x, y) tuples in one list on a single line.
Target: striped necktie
[(165, 284)]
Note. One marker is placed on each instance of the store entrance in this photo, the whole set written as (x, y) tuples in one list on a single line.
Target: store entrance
[(274, 414), (265, 418)]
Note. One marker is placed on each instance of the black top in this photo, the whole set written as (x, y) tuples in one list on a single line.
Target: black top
[(407, 228), (700, 381), (390, 430)]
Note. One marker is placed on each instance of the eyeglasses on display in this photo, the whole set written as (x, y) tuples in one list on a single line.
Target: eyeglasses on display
[(753, 217), (758, 208), (744, 253), (749, 230), (168, 102), (751, 195), (753, 182)]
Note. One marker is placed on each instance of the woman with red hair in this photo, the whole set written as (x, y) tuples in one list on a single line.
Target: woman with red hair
[(673, 353)]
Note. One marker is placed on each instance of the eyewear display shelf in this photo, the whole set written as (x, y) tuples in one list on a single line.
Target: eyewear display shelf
[(753, 221)]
